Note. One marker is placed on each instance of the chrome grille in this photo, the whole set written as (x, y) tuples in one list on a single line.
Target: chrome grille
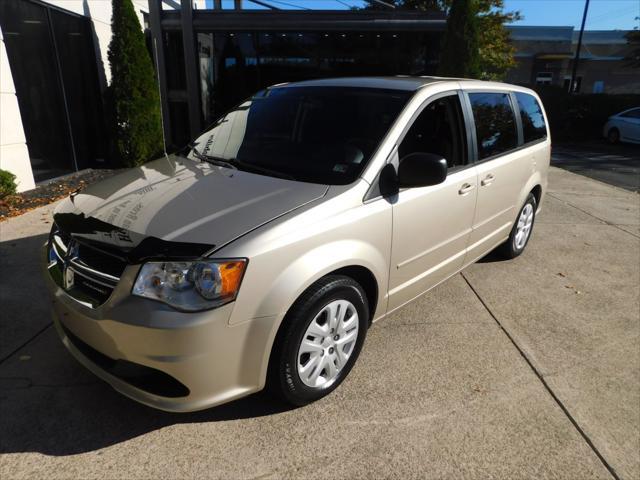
[(87, 274)]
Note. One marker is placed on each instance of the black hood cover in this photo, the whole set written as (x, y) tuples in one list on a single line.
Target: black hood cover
[(129, 246)]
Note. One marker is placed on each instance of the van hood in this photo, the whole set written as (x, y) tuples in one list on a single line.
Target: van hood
[(178, 201)]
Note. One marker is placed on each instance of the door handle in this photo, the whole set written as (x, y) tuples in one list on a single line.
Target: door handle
[(466, 188), (488, 180)]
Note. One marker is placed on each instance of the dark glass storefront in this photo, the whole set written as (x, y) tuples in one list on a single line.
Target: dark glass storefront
[(232, 65), (54, 70), (239, 52)]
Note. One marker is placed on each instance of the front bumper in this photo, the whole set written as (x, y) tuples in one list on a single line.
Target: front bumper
[(202, 359)]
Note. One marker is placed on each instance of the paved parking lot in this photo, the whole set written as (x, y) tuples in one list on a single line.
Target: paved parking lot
[(617, 165), (521, 369)]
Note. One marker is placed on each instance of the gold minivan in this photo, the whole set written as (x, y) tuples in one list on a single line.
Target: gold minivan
[(261, 253)]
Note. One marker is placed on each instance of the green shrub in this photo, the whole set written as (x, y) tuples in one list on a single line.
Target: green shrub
[(133, 102), (7, 183), (581, 117)]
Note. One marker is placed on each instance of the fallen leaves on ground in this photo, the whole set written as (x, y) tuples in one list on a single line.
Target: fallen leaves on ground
[(46, 193)]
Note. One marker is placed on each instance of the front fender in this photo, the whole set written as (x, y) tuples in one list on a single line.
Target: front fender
[(279, 294), (324, 259), (289, 255), (284, 284)]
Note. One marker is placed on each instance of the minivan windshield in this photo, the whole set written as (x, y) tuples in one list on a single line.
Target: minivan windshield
[(314, 134)]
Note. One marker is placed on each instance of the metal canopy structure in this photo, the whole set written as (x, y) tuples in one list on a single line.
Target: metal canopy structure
[(331, 20), (189, 22)]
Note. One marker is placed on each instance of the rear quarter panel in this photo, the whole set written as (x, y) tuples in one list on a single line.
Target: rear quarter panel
[(541, 153)]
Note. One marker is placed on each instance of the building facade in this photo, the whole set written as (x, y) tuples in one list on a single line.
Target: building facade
[(545, 56), (211, 54), (53, 72), (211, 59)]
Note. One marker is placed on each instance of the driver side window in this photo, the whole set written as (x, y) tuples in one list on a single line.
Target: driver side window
[(438, 129)]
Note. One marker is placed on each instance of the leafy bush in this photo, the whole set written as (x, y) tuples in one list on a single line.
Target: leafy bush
[(7, 183), (581, 117), (133, 101)]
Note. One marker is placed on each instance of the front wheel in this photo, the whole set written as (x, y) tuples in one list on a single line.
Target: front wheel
[(613, 135), (521, 231), (320, 340)]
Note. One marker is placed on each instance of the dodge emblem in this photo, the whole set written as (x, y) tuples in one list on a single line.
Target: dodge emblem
[(68, 273), (68, 278)]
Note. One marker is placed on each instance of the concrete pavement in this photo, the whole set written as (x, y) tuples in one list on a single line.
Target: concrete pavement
[(521, 369)]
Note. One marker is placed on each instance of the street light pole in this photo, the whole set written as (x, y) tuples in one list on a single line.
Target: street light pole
[(576, 59)]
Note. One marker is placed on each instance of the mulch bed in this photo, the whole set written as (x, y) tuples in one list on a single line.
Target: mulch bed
[(50, 191)]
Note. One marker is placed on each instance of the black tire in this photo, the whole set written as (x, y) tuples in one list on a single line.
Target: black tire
[(284, 380), (613, 135), (510, 249)]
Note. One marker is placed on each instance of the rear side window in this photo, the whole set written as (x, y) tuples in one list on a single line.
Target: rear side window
[(495, 121), (533, 126)]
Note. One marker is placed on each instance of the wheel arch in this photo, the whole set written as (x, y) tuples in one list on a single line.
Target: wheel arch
[(611, 129), (367, 280), (535, 185), (359, 273), (364, 262), (537, 193)]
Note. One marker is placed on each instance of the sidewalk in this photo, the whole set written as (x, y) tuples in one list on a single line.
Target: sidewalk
[(514, 369)]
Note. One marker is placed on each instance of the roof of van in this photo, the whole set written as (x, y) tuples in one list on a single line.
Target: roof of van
[(391, 83), (400, 82)]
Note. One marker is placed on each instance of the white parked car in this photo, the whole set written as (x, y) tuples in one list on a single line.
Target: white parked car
[(623, 127)]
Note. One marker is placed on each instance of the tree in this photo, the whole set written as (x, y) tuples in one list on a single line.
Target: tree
[(133, 99), (496, 50), (422, 5), (633, 39), (494, 46), (459, 55)]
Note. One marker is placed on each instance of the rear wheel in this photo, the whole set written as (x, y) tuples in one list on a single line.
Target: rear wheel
[(613, 135), (521, 231), (320, 341)]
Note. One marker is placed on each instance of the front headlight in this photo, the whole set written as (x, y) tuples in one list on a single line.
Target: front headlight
[(191, 286)]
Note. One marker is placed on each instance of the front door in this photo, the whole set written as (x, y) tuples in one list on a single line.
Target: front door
[(431, 225)]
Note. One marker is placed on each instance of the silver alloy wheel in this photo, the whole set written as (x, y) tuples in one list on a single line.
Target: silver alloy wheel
[(328, 344), (523, 230)]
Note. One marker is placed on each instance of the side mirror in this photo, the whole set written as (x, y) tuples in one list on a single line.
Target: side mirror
[(421, 170)]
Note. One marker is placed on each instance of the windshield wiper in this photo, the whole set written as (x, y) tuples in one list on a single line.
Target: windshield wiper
[(218, 161), (237, 164), (257, 168)]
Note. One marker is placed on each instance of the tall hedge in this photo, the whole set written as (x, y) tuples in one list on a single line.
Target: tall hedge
[(132, 98), (581, 117), (460, 53)]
